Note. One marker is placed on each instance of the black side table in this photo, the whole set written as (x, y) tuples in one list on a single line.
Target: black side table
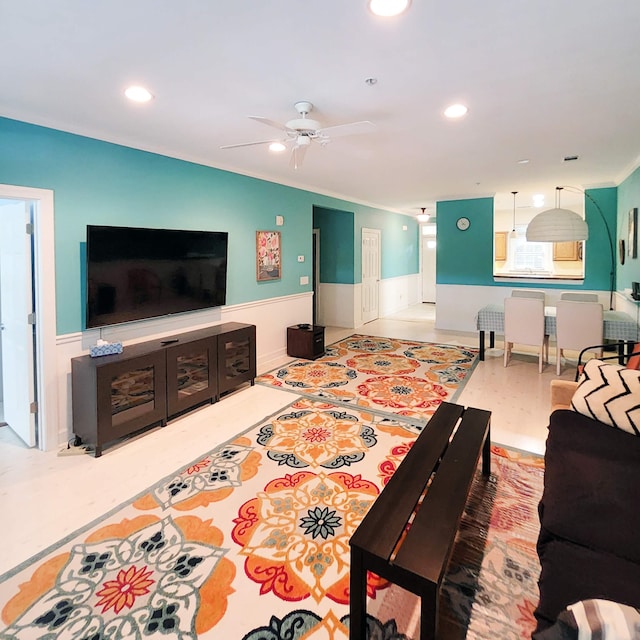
[(305, 341)]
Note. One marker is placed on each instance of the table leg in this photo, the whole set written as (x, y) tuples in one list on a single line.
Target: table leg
[(429, 613), (492, 339), (486, 454), (481, 345), (357, 597), (621, 353)]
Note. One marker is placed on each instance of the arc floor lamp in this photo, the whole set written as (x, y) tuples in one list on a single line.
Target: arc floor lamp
[(564, 225)]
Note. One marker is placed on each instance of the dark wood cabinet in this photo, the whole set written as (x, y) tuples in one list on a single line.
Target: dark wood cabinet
[(236, 357), (305, 341), (151, 382)]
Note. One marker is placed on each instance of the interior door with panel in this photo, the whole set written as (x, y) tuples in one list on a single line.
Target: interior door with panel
[(17, 330)]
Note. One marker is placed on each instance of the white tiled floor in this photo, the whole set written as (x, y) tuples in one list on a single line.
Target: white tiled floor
[(44, 497)]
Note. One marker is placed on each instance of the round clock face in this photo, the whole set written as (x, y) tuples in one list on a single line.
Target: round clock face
[(463, 224)]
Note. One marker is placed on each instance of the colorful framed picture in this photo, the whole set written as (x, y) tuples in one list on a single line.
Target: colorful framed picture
[(268, 256), (632, 246)]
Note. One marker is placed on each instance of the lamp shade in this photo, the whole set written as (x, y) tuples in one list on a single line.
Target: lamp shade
[(557, 225)]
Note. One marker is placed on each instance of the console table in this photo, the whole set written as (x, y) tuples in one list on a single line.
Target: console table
[(154, 381)]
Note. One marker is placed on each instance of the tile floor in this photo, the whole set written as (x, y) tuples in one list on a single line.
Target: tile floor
[(45, 497)]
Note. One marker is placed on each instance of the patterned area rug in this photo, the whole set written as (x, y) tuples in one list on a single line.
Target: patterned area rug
[(384, 375), (250, 542)]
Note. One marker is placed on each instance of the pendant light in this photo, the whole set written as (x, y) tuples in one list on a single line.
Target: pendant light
[(557, 225), (513, 233), (423, 217)]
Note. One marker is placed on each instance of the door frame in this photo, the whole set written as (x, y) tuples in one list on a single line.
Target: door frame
[(45, 306)]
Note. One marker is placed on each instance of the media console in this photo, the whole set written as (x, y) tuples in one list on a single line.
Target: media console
[(151, 382)]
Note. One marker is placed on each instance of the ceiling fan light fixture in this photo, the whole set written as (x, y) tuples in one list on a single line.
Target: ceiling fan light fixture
[(455, 111), (276, 147), (388, 8), (136, 93), (423, 216)]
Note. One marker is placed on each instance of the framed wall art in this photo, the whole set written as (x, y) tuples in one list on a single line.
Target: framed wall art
[(268, 256), (632, 246)]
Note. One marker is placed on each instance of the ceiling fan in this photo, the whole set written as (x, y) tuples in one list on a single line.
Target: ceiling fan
[(302, 131)]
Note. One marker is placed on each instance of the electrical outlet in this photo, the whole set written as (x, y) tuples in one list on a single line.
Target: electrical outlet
[(300, 258), (304, 279)]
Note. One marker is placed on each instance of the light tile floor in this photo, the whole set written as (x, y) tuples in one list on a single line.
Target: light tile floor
[(45, 497)]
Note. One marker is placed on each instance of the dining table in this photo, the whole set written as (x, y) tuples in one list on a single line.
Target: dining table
[(618, 326)]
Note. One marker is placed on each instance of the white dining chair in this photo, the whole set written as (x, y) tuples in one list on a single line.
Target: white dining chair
[(527, 293), (579, 297), (524, 324), (578, 325)]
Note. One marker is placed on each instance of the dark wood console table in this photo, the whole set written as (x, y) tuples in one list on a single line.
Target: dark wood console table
[(151, 382), (415, 557)]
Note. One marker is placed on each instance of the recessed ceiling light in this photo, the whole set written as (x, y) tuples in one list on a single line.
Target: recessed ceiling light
[(538, 200), (523, 161), (138, 94), (455, 111), (276, 146), (388, 8)]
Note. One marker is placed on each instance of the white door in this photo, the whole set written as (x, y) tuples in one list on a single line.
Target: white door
[(370, 273), (429, 264), (17, 333)]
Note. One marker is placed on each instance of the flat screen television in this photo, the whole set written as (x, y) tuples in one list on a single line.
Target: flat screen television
[(135, 273)]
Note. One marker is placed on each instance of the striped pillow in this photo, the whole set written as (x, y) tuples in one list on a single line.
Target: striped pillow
[(610, 394)]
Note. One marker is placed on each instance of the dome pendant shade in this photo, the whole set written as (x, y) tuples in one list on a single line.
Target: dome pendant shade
[(557, 225)]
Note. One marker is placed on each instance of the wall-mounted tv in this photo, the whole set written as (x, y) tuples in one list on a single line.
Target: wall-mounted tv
[(135, 273)]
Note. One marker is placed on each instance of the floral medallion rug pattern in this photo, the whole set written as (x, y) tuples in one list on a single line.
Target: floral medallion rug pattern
[(251, 541), (384, 375)]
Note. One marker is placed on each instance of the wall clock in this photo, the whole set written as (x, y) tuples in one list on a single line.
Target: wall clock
[(463, 224)]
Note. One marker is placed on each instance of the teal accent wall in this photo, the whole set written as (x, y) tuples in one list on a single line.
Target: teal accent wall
[(337, 233), (341, 243), (96, 182), (628, 198), (466, 257)]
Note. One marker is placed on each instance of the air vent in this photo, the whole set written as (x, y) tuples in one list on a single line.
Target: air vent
[(570, 158)]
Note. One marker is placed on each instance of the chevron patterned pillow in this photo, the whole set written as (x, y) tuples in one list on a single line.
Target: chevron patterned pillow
[(610, 394)]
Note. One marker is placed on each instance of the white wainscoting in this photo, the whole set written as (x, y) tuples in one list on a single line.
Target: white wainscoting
[(399, 293), (271, 317), (457, 305), (340, 305)]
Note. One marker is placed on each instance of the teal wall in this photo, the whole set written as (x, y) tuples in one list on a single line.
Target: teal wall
[(466, 257), (628, 198), (337, 233), (341, 243), (96, 182)]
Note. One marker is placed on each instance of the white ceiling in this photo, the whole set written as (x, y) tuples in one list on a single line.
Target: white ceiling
[(543, 79)]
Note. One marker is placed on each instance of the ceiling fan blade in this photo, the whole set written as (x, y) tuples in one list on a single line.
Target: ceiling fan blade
[(270, 123), (297, 156), (348, 129), (248, 144)]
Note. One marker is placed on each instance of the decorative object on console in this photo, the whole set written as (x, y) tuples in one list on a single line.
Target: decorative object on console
[(268, 256), (104, 348)]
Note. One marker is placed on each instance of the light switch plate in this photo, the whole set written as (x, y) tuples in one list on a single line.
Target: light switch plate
[(304, 279), (300, 258), (279, 221)]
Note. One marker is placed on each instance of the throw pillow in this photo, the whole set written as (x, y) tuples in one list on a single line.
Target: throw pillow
[(610, 394), (634, 359)]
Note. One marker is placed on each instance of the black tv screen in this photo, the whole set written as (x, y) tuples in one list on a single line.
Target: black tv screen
[(135, 273)]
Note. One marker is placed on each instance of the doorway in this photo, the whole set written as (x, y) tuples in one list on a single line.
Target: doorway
[(428, 246), (31, 352)]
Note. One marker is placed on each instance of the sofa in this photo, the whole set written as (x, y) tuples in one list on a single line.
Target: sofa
[(589, 540)]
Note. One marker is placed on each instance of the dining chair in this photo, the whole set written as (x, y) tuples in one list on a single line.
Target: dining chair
[(524, 324), (579, 297), (527, 293), (578, 325)]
